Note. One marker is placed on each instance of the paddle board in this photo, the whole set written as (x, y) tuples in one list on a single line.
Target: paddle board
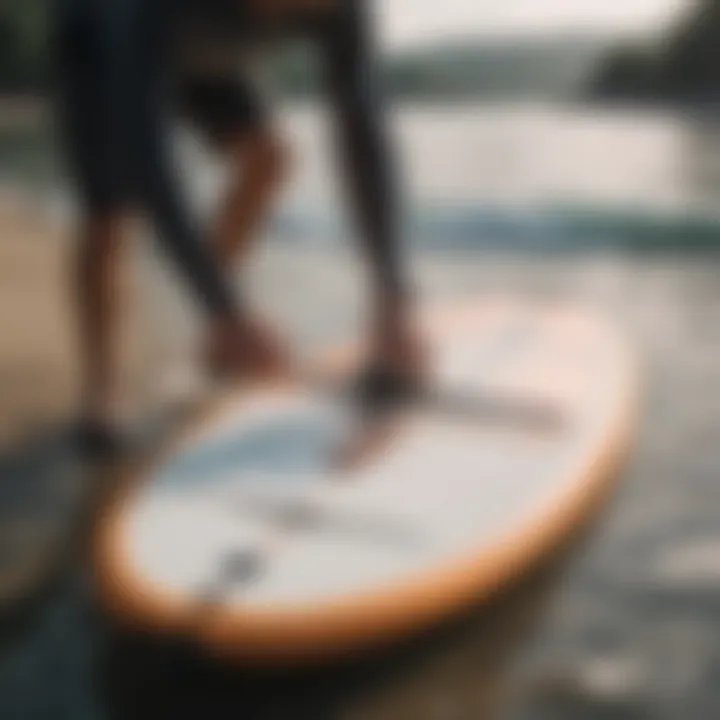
[(248, 535)]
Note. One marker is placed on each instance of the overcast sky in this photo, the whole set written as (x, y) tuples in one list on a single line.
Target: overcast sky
[(405, 22)]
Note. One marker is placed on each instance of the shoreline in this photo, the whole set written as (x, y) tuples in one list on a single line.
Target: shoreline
[(35, 109)]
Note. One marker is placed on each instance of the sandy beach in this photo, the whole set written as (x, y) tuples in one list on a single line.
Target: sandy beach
[(38, 362), (36, 368)]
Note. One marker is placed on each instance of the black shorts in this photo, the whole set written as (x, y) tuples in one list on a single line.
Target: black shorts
[(220, 107)]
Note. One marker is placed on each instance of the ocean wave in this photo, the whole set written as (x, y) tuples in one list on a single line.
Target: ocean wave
[(561, 228)]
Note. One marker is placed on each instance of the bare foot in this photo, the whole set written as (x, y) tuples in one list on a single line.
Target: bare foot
[(369, 440)]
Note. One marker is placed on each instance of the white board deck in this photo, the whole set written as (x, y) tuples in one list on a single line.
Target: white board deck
[(251, 517)]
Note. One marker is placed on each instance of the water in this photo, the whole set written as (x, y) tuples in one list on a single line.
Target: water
[(508, 175), (629, 628), (524, 176)]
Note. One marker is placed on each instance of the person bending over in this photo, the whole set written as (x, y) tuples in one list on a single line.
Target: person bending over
[(127, 70)]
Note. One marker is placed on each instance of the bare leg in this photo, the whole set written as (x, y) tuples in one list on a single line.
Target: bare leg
[(98, 278), (258, 165), (257, 168)]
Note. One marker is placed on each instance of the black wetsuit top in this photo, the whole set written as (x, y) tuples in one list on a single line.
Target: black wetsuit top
[(119, 78)]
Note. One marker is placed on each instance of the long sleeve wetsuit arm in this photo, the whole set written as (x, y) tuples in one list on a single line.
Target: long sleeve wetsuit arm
[(363, 144), (142, 75)]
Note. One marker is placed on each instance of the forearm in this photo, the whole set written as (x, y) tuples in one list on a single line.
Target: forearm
[(364, 147)]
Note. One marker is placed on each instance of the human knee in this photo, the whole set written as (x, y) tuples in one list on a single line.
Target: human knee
[(262, 154)]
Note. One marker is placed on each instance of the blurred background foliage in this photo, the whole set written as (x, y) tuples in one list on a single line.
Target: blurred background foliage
[(681, 66)]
